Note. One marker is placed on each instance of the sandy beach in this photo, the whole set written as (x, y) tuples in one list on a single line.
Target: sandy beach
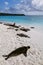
[(9, 41)]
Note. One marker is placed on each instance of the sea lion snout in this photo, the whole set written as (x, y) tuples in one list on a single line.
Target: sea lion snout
[(28, 47)]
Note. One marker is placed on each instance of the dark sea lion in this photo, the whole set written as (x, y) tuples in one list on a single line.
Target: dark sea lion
[(18, 51), (24, 29), (23, 35)]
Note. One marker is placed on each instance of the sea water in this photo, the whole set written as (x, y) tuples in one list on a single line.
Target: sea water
[(25, 20)]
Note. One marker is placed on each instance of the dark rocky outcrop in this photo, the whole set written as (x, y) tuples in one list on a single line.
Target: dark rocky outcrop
[(23, 35), (9, 24), (12, 25), (0, 22), (32, 27), (10, 14)]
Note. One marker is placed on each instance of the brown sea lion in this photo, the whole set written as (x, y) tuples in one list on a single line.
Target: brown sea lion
[(18, 51)]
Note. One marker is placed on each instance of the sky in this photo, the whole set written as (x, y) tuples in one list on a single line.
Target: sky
[(28, 7)]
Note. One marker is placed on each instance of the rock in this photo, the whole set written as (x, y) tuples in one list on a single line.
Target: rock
[(32, 27), (12, 25), (0, 22), (9, 24)]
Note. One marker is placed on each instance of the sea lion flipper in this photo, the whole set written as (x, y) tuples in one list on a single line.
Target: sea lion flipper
[(4, 55), (6, 58), (25, 54)]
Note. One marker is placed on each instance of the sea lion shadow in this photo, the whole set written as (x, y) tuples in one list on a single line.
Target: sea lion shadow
[(18, 51)]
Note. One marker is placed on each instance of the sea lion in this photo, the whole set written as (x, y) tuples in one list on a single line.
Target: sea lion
[(18, 51), (24, 29), (23, 35)]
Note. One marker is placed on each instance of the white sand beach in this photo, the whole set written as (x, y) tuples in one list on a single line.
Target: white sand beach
[(9, 41)]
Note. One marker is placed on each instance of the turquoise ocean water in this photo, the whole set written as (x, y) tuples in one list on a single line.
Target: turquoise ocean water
[(25, 20)]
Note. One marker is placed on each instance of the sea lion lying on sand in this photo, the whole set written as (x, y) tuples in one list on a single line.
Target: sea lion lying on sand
[(18, 51), (23, 35), (24, 29)]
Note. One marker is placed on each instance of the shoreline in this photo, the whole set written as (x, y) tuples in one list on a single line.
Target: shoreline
[(38, 27)]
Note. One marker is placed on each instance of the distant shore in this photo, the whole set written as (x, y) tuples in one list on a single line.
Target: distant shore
[(9, 14)]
